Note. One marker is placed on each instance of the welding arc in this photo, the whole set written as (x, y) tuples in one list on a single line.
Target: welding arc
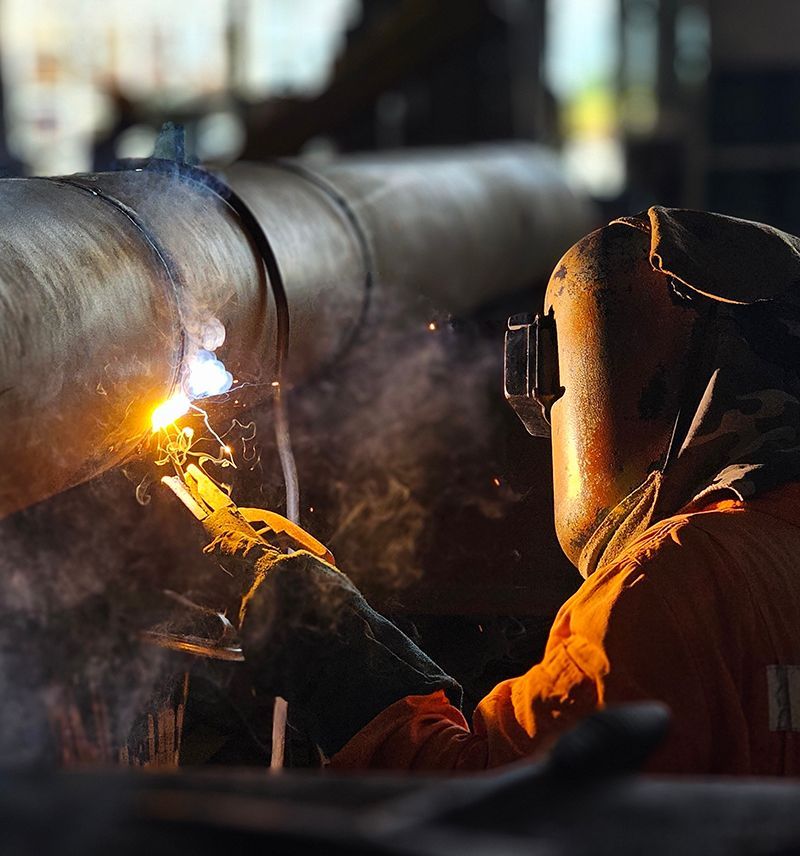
[(276, 284)]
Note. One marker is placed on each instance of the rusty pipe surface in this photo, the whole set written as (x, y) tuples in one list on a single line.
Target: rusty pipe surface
[(105, 280)]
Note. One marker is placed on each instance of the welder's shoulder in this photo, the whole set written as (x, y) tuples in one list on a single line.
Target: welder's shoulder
[(660, 588), (691, 581), (709, 557), (655, 596), (694, 553), (690, 567)]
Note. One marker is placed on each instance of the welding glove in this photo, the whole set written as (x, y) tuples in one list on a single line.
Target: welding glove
[(310, 637)]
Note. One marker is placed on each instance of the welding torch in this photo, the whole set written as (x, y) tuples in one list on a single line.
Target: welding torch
[(204, 499)]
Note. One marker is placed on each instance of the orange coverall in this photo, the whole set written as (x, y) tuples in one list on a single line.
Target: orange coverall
[(702, 612)]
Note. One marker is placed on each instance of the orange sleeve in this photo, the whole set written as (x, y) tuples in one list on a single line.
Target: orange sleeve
[(615, 640), (518, 718)]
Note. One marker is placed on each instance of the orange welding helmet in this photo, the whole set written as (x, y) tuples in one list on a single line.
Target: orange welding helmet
[(665, 370), (601, 372)]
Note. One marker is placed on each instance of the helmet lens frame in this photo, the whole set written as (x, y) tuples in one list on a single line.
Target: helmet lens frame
[(530, 367)]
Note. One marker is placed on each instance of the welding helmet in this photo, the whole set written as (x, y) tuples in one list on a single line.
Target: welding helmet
[(600, 373), (638, 317)]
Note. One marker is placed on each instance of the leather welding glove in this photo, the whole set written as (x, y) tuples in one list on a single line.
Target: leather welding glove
[(310, 637)]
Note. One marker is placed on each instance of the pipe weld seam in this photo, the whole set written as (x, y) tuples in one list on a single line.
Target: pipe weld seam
[(156, 249), (361, 235)]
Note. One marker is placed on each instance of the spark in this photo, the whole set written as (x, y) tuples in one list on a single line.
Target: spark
[(169, 411), (432, 326), (174, 447), (496, 481), (205, 376), (208, 424)]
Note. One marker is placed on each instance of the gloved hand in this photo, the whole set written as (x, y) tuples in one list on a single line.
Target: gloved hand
[(246, 557), (310, 637)]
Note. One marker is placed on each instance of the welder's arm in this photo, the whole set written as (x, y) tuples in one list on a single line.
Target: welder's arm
[(372, 699), (616, 641), (310, 636)]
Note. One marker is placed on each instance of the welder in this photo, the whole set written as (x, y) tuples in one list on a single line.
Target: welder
[(665, 368)]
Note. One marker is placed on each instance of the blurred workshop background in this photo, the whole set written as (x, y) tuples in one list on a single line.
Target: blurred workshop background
[(687, 102)]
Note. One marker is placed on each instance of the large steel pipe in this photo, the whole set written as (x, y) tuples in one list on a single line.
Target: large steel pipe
[(106, 279)]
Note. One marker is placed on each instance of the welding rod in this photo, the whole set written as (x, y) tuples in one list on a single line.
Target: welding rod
[(180, 490)]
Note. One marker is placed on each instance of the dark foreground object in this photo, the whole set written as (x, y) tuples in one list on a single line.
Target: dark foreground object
[(583, 801)]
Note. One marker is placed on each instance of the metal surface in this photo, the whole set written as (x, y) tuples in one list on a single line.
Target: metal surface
[(105, 280)]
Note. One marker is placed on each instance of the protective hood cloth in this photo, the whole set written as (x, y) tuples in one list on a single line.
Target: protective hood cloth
[(741, 422)]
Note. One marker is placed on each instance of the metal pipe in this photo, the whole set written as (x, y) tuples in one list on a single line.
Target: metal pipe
[(105, 279)]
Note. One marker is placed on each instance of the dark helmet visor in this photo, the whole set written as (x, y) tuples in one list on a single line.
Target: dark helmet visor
[(532, 381)]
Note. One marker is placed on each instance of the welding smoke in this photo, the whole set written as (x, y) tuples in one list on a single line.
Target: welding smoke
[(75, 678), (410, 418)]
